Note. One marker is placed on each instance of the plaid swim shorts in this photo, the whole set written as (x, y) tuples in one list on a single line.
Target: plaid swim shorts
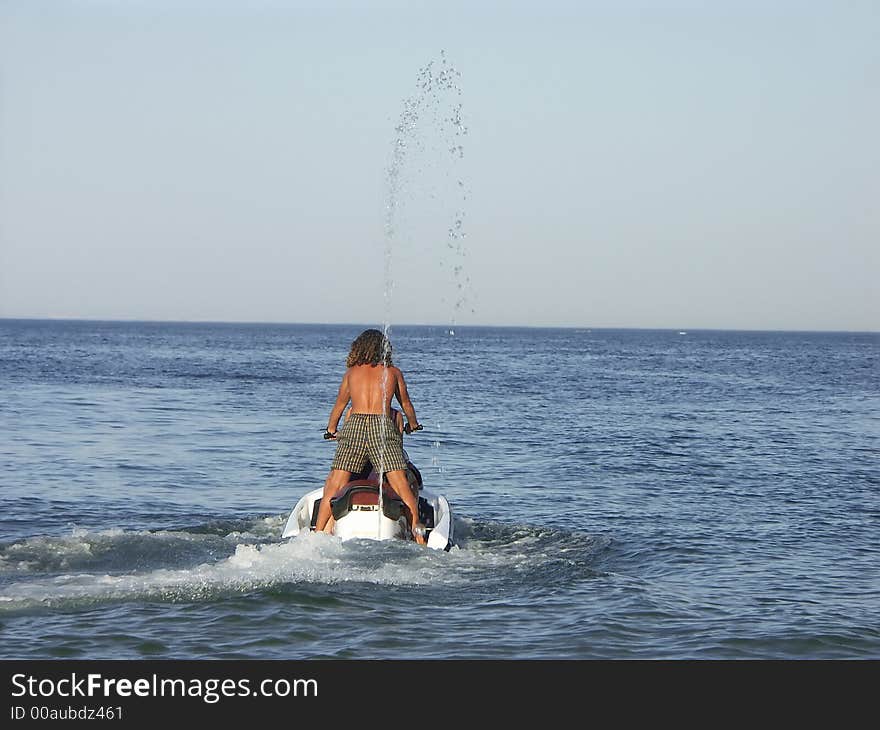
[(369, 436)]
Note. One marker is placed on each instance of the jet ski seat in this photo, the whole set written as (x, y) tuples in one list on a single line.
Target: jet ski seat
[(365, 492)]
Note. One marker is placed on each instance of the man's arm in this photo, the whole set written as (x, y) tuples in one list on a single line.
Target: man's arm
[(405, 403), (342, 399)]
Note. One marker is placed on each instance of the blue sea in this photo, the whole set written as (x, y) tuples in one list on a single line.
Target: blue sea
[(617, 494)]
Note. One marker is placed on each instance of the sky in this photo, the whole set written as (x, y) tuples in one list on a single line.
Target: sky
[(622, 164)]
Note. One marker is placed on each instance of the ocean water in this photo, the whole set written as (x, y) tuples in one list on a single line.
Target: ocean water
[(617, 494)]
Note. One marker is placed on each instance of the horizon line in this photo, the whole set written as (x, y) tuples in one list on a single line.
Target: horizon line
[(450, 326)]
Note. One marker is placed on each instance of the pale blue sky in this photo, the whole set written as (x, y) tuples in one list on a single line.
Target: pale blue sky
[(627, 164)]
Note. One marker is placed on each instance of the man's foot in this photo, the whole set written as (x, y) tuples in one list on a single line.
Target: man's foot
[(419, 532)]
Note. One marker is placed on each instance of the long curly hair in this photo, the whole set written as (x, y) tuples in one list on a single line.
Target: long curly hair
[(371, 347)]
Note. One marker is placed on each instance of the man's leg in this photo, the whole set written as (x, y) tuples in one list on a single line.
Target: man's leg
[(399, 483), (336, 480)]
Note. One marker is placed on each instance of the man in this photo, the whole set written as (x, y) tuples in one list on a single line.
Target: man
[(369, 433)]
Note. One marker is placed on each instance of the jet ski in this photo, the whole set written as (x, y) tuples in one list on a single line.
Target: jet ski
[(360, 511)]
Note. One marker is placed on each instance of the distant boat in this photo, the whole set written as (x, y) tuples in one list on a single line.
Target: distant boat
[(452, 333), (682, 333)]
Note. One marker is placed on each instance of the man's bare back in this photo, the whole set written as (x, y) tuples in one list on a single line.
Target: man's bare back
[(371, 388)]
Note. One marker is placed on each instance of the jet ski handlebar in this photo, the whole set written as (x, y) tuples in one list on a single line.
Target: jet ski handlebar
[(331, 436)]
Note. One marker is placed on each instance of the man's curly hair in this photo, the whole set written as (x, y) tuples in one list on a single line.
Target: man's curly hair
[(371, 347)]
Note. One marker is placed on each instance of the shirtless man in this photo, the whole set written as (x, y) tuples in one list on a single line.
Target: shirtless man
[(370, 383)]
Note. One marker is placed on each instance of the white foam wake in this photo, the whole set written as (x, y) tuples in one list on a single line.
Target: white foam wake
[(244, 562), (309, 558)]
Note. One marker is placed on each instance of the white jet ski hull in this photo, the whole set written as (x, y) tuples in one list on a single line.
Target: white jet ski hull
[(363, 519)]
